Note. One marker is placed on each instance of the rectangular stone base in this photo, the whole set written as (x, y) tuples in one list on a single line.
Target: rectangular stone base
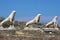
[(42, 29), (50, 29)]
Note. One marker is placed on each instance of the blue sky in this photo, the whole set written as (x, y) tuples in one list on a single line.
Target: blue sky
[(28, 9)]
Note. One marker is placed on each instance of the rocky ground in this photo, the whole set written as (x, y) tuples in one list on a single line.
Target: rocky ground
[(28, 35)]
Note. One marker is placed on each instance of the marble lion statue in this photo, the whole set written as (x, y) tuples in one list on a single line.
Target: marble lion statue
[(34, 21), (9, 18), (53, 22)]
